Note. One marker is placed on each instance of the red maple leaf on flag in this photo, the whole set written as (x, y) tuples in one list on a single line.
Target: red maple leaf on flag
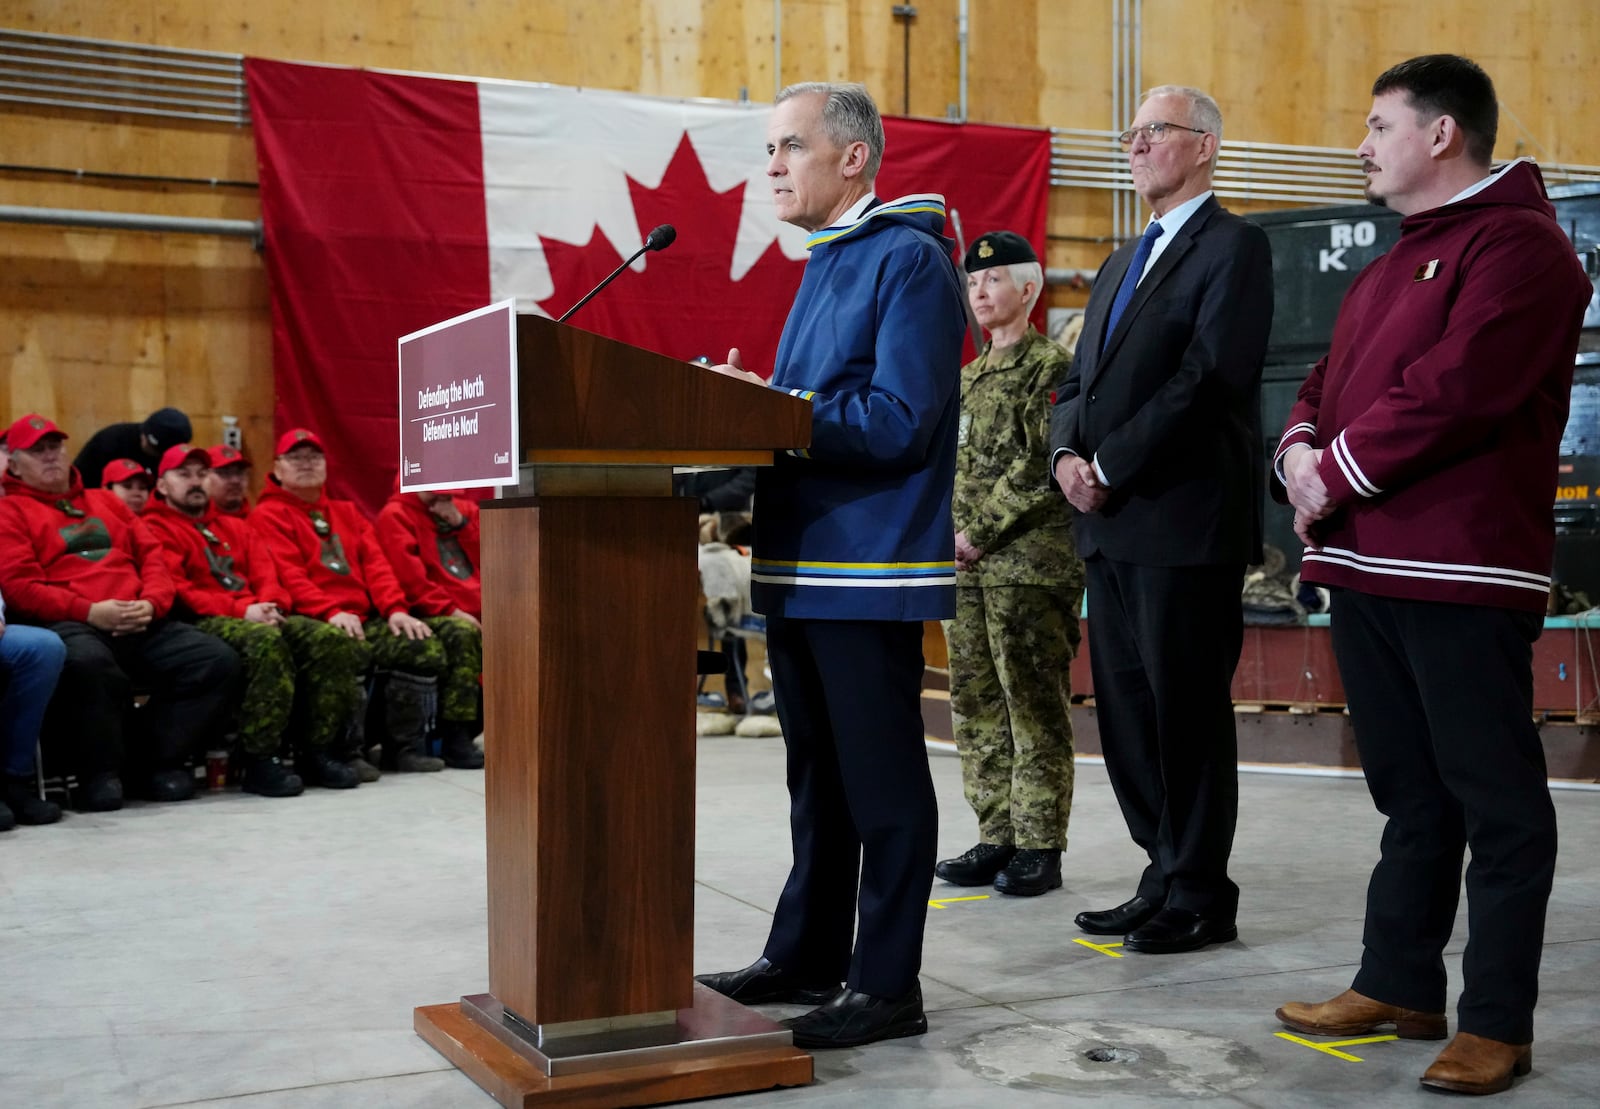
[(685, 304)]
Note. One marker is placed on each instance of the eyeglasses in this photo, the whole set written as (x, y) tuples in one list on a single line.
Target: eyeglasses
[(1154, 133)]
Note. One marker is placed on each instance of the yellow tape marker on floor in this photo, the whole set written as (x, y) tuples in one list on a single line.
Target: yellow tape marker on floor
[(1103, 948), (1330, 1048), (944, 902)]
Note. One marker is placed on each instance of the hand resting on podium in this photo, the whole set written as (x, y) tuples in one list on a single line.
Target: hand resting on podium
[(734, 367)]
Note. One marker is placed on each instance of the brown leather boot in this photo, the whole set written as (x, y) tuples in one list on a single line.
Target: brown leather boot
[(1476, 1065), (1352, 1014)]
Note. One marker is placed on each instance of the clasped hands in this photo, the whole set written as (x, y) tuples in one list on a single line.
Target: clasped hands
[(1080, 484), (121, 617), (1302, 478)]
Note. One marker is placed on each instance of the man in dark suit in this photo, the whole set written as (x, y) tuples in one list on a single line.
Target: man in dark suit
[(1156, 442)]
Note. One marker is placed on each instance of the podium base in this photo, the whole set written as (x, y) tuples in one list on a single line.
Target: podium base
[(723, 1048)]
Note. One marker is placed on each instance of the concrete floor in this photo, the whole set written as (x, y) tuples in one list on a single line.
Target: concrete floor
[(250, 953)]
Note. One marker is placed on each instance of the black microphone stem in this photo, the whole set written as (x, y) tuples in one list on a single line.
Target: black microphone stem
[(609, 279)]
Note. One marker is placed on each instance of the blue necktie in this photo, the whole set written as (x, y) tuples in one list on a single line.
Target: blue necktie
[(1130, 280)]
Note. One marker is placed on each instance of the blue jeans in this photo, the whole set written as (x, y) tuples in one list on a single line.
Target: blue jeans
[(31, 661)]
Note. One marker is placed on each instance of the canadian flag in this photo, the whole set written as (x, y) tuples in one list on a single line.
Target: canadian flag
[(390, 202)]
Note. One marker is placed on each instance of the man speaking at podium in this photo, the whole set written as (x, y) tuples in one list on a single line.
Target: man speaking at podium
[(854, 549)]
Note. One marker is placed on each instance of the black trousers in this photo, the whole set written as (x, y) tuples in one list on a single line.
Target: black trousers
[(1163, 645), (192, 679), (862, 810), (1441, 699)]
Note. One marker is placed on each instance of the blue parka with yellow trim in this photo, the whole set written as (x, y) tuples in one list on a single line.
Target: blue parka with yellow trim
[(858, 526)]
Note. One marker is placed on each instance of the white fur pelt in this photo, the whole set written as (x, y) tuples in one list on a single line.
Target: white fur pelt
[(725, 581)]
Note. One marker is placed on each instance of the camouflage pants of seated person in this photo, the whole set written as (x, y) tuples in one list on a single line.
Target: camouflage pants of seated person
[(453, 656), (460, 685), (331, 671), (268, 695)]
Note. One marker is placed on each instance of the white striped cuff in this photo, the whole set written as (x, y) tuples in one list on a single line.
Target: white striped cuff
[(1352, 473)]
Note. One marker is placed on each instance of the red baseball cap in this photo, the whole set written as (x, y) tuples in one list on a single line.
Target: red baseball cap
[(176, 456), (292, 438), (225, 455), (122, 469), (29, 430)]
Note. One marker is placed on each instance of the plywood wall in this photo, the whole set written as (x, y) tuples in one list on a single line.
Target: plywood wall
[(97, 326)]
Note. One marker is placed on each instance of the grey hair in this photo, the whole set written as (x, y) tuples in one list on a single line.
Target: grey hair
[(848, 115), (1024, 272), (1203, 111)]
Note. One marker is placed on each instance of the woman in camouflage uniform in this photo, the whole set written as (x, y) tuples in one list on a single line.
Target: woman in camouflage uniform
[(1019, 583)]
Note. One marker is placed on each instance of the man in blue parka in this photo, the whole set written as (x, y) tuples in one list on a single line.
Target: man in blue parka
[(854, 549)]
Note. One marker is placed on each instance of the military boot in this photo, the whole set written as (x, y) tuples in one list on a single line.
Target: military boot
[(457, 745), (265, 776), (319, 768), (406, 701), (352, 749), (21, 796)]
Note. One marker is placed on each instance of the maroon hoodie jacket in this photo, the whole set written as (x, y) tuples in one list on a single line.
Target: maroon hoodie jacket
[(1441, 403)]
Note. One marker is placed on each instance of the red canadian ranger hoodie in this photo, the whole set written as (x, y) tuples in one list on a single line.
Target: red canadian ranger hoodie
[(437, 567), (61, 553), (1441, 402), (218, 566), (327, 555)]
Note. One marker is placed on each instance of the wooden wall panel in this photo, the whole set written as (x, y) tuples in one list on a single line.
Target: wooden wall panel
[(98, 325)]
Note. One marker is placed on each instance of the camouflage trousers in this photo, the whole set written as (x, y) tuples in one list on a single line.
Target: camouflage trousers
[(299, 660), (1011, 650), (453, 656)]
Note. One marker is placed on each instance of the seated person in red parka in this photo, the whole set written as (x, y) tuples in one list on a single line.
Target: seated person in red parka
[(431, 539), (228, 587), (77, 562), (329, 559)]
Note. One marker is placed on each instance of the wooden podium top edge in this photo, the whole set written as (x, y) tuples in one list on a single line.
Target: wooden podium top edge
[(648, 458)]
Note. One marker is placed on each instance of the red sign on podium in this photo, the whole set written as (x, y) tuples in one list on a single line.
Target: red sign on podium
[(458, 401)]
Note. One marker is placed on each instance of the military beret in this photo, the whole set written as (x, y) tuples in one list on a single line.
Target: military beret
[(998, 248)]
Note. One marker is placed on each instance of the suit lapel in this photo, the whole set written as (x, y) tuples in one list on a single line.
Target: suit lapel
[(1181, 244), (1094, 326)]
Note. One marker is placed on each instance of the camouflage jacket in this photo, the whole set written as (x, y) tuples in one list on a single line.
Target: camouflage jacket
[(1003, 499)]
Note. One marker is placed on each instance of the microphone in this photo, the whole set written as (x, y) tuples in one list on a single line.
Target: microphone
[(658, 239)]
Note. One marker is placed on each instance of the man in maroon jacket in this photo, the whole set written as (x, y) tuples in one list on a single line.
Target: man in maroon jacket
[(227, 583), (77, 561), (1421, 463), (335, 570)]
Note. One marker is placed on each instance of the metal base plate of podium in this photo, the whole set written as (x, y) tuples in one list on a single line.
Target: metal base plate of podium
[(715, 1047)]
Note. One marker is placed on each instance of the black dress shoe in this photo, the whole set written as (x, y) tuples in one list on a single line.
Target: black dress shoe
[(762, 982), (1175, 930), (1131, 914), (976, 867), (852, 1019), (1030, 873)]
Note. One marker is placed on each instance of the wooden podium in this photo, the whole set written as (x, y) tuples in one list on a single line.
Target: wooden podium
[(589, 640)]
